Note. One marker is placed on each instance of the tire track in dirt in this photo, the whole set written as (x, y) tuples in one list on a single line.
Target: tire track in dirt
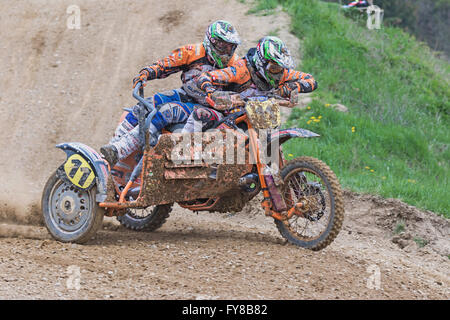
[(206, 256), (222, 256)]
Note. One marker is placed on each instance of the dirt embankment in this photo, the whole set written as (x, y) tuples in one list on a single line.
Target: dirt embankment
[(58, 85)]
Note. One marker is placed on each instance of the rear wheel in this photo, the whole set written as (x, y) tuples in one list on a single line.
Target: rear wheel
[(70, 214), (148, 219), (310, 181)]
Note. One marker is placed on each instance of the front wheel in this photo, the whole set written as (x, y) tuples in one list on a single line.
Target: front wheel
[(70, 214), (310, 181)]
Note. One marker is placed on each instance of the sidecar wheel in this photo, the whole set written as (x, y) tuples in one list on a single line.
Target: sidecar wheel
[(70, 214)]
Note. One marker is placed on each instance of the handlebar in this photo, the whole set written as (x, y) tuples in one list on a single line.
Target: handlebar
[(282, 102)]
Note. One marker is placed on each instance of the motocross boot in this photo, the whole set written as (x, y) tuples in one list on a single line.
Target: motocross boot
[(110, 154)]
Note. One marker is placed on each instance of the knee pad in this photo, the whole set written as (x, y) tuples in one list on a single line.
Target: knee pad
[(158, 120), (175, 112), (206, 116)]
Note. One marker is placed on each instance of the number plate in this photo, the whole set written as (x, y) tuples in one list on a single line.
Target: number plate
[(263, 114), (79, 172)]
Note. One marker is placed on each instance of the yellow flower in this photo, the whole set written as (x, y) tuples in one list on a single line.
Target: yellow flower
[(313, 118), (371, 170), (367, 168), (308, 107), (290, 155), (384, 178), (316, 120), (320, 117), (327, 105), (308, 122)]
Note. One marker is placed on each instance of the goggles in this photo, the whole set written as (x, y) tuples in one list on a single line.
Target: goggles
[(274, 68), (223, 47)]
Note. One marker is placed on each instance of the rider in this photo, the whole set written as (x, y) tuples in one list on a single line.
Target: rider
[(265, 70), (175, 106)]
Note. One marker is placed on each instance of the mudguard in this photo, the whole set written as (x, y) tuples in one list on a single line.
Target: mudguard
[(278, 137), (285, 134), (84, 168)]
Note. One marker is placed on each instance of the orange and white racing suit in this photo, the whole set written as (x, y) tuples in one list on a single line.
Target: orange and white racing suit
[(173, 106)]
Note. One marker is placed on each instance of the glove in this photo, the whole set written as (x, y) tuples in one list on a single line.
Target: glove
[(142, 77), (293, 97), (195, 92), (289, 91), (224, 100)]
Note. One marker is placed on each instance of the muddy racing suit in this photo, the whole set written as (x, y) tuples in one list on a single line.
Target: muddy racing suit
[(173, 106), (241, 78)]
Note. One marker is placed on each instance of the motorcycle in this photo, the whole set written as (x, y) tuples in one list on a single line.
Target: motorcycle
[(219, 170)]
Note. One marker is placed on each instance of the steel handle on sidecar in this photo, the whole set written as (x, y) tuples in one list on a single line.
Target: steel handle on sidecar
[(138, 94), (144, 122)]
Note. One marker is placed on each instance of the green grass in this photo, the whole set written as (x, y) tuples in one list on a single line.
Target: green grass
[(397, 93), (400, 227), (420, 242), (264, 7)]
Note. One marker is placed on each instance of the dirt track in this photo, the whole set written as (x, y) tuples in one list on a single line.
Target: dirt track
[(60, 85)]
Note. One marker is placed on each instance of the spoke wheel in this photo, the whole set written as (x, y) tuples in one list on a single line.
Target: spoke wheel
[(311, 182), (145, 219)]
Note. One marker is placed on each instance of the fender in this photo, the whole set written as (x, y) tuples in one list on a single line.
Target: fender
[(278, 137), (285, 134), (94, 162)]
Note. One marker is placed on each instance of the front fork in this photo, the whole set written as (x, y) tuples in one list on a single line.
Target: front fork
[(267, 202)]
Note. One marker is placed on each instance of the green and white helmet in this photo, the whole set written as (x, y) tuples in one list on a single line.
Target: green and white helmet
[(271, 58), (221, 40)]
